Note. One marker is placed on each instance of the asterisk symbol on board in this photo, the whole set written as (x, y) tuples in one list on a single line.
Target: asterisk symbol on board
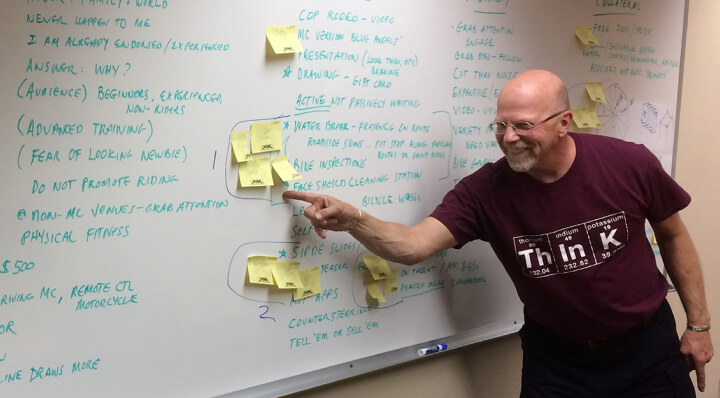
[(286, 72), (286, 125), (282, 253)]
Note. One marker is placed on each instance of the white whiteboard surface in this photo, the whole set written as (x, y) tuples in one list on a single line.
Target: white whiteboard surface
[(124, 234)]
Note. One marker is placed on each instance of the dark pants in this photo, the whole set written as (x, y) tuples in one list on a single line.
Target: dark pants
[(644, 363)]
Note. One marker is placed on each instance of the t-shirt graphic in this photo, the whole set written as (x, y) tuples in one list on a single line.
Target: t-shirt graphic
[(573, 248)]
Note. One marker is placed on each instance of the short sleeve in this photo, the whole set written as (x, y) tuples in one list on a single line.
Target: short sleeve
[(665, 196), (460, 212)]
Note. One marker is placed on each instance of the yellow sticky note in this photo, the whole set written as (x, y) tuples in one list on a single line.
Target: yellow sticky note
[(284, 169), (373, 289), (311, 283), (586, 36), (585, 118), (265, 136), (390, 284), (239, 145), (255, 173), (654, 240), (377, 266), (287, 274), (595, 91), (259, 269), (283, 39)]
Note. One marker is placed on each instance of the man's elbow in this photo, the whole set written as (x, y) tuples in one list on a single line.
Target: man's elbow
[(415, 255), (424, 240), (669, 229), (411, 259)]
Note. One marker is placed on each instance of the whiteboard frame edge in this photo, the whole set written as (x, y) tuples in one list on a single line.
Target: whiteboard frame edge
[(683, 45), (331, 374)]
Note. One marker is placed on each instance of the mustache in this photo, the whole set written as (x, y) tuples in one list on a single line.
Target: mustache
[(517, 145)]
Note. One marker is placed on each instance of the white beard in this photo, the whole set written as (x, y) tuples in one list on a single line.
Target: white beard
[(521, 157)]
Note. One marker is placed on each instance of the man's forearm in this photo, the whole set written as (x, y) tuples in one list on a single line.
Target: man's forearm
[(388, 240), (400, 243), (683, 266), (392, 241)]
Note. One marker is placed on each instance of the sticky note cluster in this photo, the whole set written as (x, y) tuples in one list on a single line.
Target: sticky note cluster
[(268, 270), (381, 273), (585, 118), (256, 171)]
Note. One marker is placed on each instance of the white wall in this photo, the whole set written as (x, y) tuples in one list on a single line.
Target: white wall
[(698, 157)]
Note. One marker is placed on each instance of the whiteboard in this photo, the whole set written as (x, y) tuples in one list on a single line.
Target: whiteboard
[(125, 235)]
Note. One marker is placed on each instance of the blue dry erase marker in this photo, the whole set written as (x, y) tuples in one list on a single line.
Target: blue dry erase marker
[(433, 349)]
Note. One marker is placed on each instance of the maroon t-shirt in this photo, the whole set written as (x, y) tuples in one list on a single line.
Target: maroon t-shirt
[(576, 249)]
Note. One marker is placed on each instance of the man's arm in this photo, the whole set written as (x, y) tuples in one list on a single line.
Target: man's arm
[(683, 266), (391, 241)]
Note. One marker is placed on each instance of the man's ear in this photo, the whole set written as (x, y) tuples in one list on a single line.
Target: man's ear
[(566, 122)]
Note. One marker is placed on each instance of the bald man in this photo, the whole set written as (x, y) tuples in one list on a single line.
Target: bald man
[(596, 320)]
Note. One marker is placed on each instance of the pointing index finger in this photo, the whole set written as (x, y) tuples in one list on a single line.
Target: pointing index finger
[(304, 196)]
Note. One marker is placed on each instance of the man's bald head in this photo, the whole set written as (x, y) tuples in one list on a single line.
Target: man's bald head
[(535, 89)]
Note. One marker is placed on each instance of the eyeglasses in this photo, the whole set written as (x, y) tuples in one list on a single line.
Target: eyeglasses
[(520, 128)]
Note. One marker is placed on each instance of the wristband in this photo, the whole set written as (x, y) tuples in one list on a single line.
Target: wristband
[(694, 328)]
